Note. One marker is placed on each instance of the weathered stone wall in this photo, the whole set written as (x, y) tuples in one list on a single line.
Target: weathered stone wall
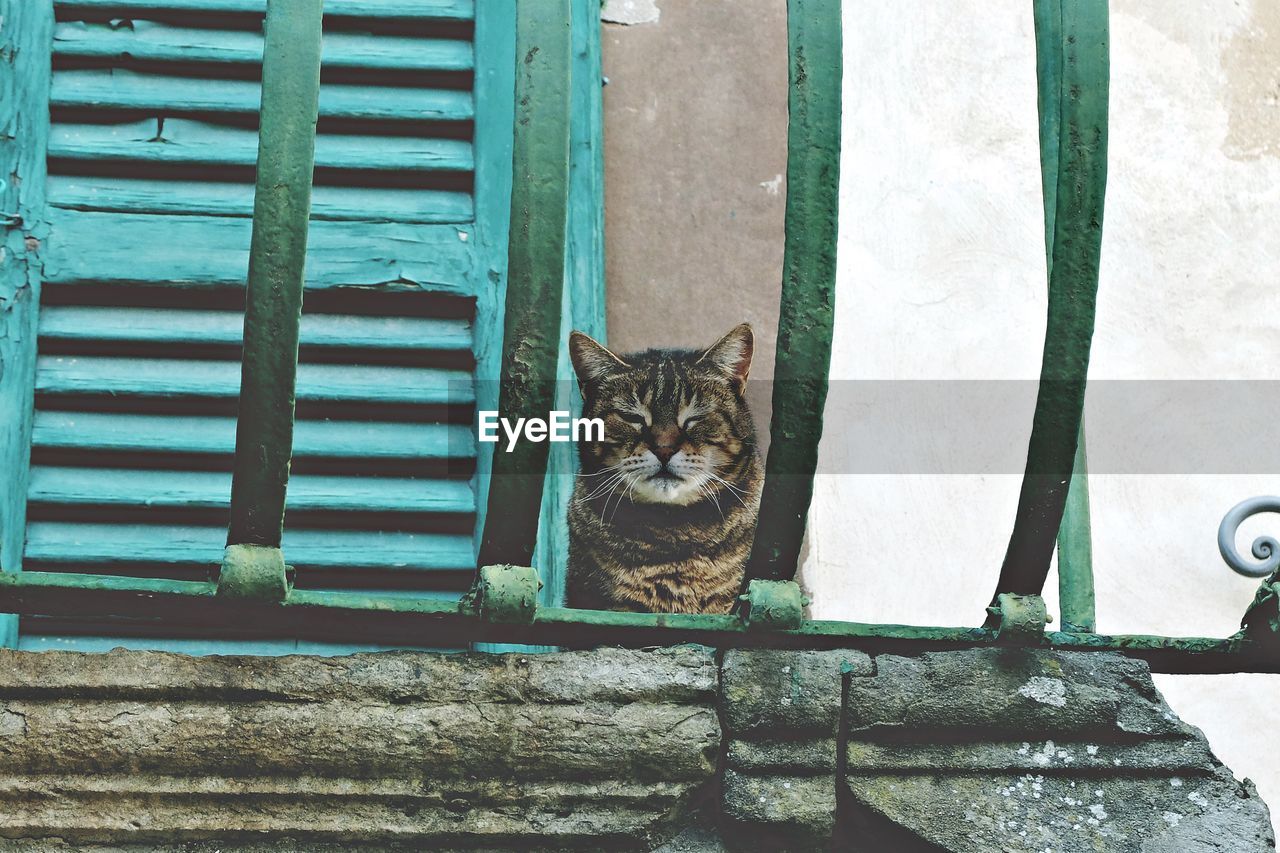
[(1017, 750), (430, 750), (978, 750)]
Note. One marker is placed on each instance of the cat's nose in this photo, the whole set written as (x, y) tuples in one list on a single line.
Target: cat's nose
[(664, 452)]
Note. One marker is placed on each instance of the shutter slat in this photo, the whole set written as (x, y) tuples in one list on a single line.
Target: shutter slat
[(125, 488), (99, 431), (179, 251), (125, 195), (199, 143), (160, 378), (159, 43), (127, 90), (180, 327), (100, 546), (427, 10)]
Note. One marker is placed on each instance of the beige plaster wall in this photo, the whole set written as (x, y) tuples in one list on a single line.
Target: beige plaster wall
[(695, 152), (942, 277)]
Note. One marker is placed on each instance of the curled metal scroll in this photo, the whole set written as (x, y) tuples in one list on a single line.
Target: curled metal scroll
[(1265, 548)]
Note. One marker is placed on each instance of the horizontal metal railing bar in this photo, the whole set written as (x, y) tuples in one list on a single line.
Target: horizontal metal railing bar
[(375, 618)]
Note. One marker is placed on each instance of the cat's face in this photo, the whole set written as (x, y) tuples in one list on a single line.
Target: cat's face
[(674, 421)]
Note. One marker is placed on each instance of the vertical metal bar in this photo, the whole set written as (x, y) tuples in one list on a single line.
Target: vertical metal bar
[(807, 315), (535, 277), (1075, 545), (26, 40), (1081, 152), (583, 303), (1075, 551), (273, 305), (494, 91)]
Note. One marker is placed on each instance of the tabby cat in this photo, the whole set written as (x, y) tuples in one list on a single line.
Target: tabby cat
[(664, 510)]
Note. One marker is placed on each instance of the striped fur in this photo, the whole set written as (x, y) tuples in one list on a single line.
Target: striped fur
[(664, 511)]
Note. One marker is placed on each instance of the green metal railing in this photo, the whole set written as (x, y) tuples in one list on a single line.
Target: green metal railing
[(806, 320), (1074, 75), (253, 592), (1075, 547), (254, 565), (535, 276)]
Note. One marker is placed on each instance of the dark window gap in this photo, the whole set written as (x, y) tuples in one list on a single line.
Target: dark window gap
[(251, 72), (121, 18), (359, 410), (458, 469), (460, 182), (362, 301)]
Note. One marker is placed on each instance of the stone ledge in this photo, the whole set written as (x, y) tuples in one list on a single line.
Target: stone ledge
[(1020, 694), (931, 764), (676, 674), (611, 748)]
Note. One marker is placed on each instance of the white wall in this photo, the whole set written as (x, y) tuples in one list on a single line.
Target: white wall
[(942, 276)]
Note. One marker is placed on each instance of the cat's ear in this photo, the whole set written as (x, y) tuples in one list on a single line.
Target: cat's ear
[(591, 360), (732, 354)]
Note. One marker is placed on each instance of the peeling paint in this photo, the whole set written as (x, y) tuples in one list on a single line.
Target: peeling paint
[(629, 12)]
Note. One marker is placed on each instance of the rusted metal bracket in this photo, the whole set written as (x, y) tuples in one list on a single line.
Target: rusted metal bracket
[(254, 572), (506, 594), (1021, 617), (772, 604)]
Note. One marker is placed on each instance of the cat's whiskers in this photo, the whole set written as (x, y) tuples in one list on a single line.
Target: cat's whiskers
[(733, 490), (626, 473), (702, 487), (605, 507), (608, 485), (625, 496), (605, 470)]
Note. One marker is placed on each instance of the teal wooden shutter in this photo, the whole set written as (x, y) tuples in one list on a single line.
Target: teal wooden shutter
[(151, 154)]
